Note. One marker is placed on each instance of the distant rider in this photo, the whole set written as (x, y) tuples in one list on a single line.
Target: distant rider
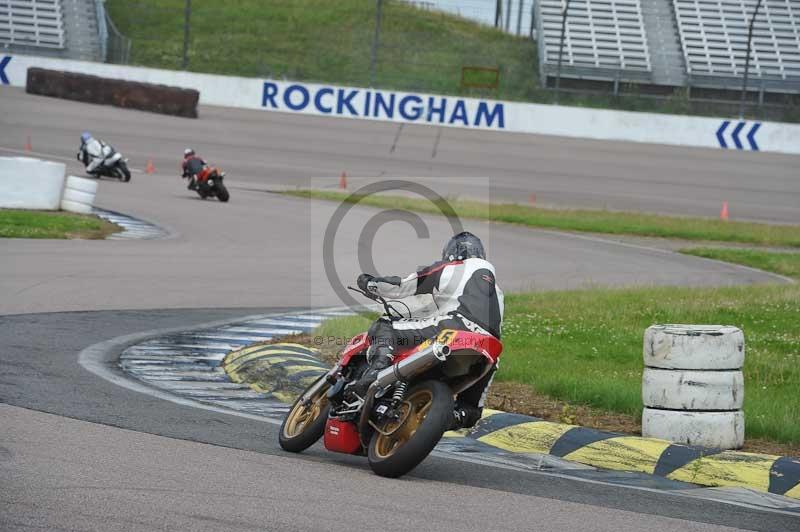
[(92, 152), (464, 288), (193, 168)]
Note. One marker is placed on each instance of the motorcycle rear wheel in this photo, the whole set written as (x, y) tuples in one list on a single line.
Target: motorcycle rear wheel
[(400, 446), (124, 172), (305, 423)]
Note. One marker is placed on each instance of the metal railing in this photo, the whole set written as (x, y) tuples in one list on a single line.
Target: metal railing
[(396, 48), (116, 47), (102, 28), (358, 47)]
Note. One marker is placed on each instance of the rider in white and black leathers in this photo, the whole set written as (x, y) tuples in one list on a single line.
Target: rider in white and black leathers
[(92, 152), (467, 297)]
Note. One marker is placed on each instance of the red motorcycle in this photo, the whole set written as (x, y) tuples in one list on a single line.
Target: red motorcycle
[(209, 184), (404, 413)]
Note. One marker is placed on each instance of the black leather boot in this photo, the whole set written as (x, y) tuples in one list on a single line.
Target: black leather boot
[(465, 417), (380, 359)]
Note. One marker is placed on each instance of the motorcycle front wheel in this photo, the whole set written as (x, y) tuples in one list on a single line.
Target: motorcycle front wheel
[(305, 422), (399, 446), (222, 193)]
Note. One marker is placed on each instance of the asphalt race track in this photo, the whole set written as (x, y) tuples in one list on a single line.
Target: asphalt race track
[(80, 453), (289, 149)]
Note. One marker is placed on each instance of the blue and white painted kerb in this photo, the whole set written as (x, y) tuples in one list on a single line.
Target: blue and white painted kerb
[(133, 228), (735, 135), (188, 364)]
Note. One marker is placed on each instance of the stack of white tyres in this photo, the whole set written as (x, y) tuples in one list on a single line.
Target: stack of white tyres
[(79, 194), (693, 386)]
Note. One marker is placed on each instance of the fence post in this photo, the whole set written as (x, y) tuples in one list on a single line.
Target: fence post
[(747, 60), (375, 43), (564, 10), (186, 23)]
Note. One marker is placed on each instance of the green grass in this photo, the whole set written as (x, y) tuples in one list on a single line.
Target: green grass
[(585, 347), (326, 41), (787, 264), (608, 222), (46, 224)]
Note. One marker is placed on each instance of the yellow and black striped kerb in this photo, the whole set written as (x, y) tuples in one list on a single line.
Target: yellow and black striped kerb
[(281, 371), (285, 370), (607, 450)]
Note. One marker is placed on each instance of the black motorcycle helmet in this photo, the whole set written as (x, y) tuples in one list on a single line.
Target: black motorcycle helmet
[(464, 245)]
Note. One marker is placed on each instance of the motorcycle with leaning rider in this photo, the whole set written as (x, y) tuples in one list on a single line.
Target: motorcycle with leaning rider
[(204, 179), (398, 387), (101, 159)]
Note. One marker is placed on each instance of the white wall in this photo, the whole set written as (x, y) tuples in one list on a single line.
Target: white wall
[(450, 111), (27, 183)]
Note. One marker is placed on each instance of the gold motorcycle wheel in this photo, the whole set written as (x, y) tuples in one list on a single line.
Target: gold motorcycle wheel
[(305, 423), (394, 435), (400, 445)]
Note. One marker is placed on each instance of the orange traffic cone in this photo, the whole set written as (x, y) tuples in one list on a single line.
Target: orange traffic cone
[(723, 214), (343, 181), (150, 169), (28, 146)]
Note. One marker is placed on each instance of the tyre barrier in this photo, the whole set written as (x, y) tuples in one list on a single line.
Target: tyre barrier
[(703, 347), (693, 386), (720, 430), (693, 390), (28, 183), (283, 370), (79, 195), (106, 91)]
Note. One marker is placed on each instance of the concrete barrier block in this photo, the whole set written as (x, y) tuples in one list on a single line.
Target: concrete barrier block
[(28, 183)]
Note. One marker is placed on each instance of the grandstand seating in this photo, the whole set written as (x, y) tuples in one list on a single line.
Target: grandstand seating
[(714, 38), (605, 39), (32, 23)]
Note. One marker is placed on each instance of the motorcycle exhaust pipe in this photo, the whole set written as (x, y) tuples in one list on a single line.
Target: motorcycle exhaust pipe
[(413, 365)]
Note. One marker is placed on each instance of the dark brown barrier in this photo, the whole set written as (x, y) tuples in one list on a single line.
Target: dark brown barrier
[(129, 94)]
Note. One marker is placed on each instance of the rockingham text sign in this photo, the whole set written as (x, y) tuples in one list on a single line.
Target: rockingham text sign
[(376, 104)]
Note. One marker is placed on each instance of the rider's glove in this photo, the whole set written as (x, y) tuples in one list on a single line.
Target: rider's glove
[(363, 281)]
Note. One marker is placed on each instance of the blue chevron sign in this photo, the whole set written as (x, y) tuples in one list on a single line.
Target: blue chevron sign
[(3, 64), (737, 130)]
